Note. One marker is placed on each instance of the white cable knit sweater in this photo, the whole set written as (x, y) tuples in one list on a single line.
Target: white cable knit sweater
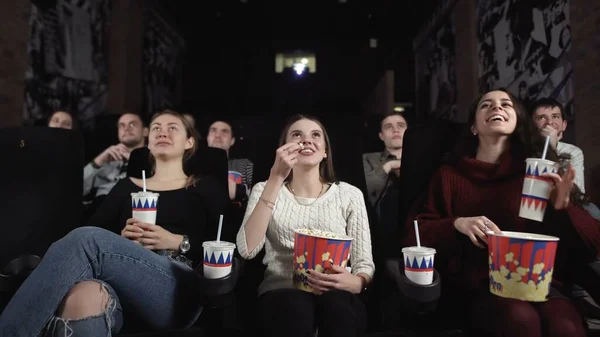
[(340, 210)]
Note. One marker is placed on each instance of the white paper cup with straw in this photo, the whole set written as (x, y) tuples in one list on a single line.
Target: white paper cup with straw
[(537, 188), (218, 256), (418, 261), (144, 204)]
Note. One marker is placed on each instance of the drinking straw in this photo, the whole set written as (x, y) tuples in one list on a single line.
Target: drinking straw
[(417, 234), (220, 226), (144, 179), (546, 147)]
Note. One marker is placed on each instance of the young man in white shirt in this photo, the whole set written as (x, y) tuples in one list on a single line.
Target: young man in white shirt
[(549, 117)]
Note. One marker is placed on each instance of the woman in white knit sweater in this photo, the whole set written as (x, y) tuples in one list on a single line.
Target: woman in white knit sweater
[(302, 192)]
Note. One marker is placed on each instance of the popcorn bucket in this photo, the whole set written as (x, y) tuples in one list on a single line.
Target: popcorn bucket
[(521, 265), (318, 250)]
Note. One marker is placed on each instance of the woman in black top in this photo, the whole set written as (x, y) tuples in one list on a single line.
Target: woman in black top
[(88, 278)]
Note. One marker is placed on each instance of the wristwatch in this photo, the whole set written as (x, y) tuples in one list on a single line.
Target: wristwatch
[(184, 246)]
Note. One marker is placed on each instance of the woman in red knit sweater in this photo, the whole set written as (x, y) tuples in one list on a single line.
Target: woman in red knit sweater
[(479, 189)]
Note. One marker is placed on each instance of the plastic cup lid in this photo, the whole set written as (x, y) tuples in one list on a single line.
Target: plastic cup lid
[(218, 245), (549, 162), (418, 250), (143, 194)]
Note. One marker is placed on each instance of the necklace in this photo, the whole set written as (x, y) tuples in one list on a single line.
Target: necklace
[(296, 197)]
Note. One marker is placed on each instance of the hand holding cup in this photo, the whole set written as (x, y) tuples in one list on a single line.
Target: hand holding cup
[(561, 187), (131, 231)]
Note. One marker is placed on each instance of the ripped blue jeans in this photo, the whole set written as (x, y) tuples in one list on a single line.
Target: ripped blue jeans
[(160, 290)]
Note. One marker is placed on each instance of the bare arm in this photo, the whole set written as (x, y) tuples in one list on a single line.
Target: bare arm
[(261, 204), (257, 218)]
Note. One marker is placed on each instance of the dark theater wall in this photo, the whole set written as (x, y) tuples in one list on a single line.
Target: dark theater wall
[(523, 46), (162, 64), (436, 71), (67, 59), (14, 33)]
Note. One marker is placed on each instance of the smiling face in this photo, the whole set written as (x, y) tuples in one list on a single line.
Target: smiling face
[(169, 137), (495, 115), (311, 136), (550, 116)]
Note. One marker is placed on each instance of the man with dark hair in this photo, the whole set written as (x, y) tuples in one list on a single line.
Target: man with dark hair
[(550, 118), (110, 166), (220, 135), (383, 168)]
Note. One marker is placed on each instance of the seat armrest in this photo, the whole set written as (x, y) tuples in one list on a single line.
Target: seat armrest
[(419, 297), (218, 292), (16, 271)]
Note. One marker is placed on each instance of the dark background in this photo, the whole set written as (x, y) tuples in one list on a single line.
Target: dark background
[(230, 63)]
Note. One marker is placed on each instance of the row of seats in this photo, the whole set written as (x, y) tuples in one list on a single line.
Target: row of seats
[(44, 185), (43, 202)]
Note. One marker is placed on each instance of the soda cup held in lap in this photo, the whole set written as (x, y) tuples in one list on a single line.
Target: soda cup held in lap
[(418, 264), (218, 258), (536, 188), (318, 250), (521, 265), (144, 206)]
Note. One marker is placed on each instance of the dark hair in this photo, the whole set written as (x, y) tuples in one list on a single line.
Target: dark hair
[(74, 121), (393, 113), (222, 121), (190, 132), (525, 142), (144, 124), (326, 172), (548, 103)]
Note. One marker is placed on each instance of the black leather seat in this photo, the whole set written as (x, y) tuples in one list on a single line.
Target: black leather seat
[(206, 161), (41, 197), (423, 152)]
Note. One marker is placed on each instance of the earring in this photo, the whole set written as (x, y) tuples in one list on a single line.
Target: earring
[(474, 133)]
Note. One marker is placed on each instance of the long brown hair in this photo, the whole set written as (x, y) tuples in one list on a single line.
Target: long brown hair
[(525, 142), (189, 132), (326, 172)]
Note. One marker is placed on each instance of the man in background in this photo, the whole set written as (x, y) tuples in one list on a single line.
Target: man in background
[(220, 135)]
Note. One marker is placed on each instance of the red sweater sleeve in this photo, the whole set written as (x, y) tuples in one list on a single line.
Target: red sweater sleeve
[(579, 228), (434, 214)]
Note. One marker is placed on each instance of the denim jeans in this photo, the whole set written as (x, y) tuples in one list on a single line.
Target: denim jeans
[(159, 289)]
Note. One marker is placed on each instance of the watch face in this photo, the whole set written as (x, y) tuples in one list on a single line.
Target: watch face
[(185, 246)]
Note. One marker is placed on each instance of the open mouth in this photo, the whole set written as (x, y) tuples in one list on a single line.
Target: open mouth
[(307, 151), (497, 118)]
